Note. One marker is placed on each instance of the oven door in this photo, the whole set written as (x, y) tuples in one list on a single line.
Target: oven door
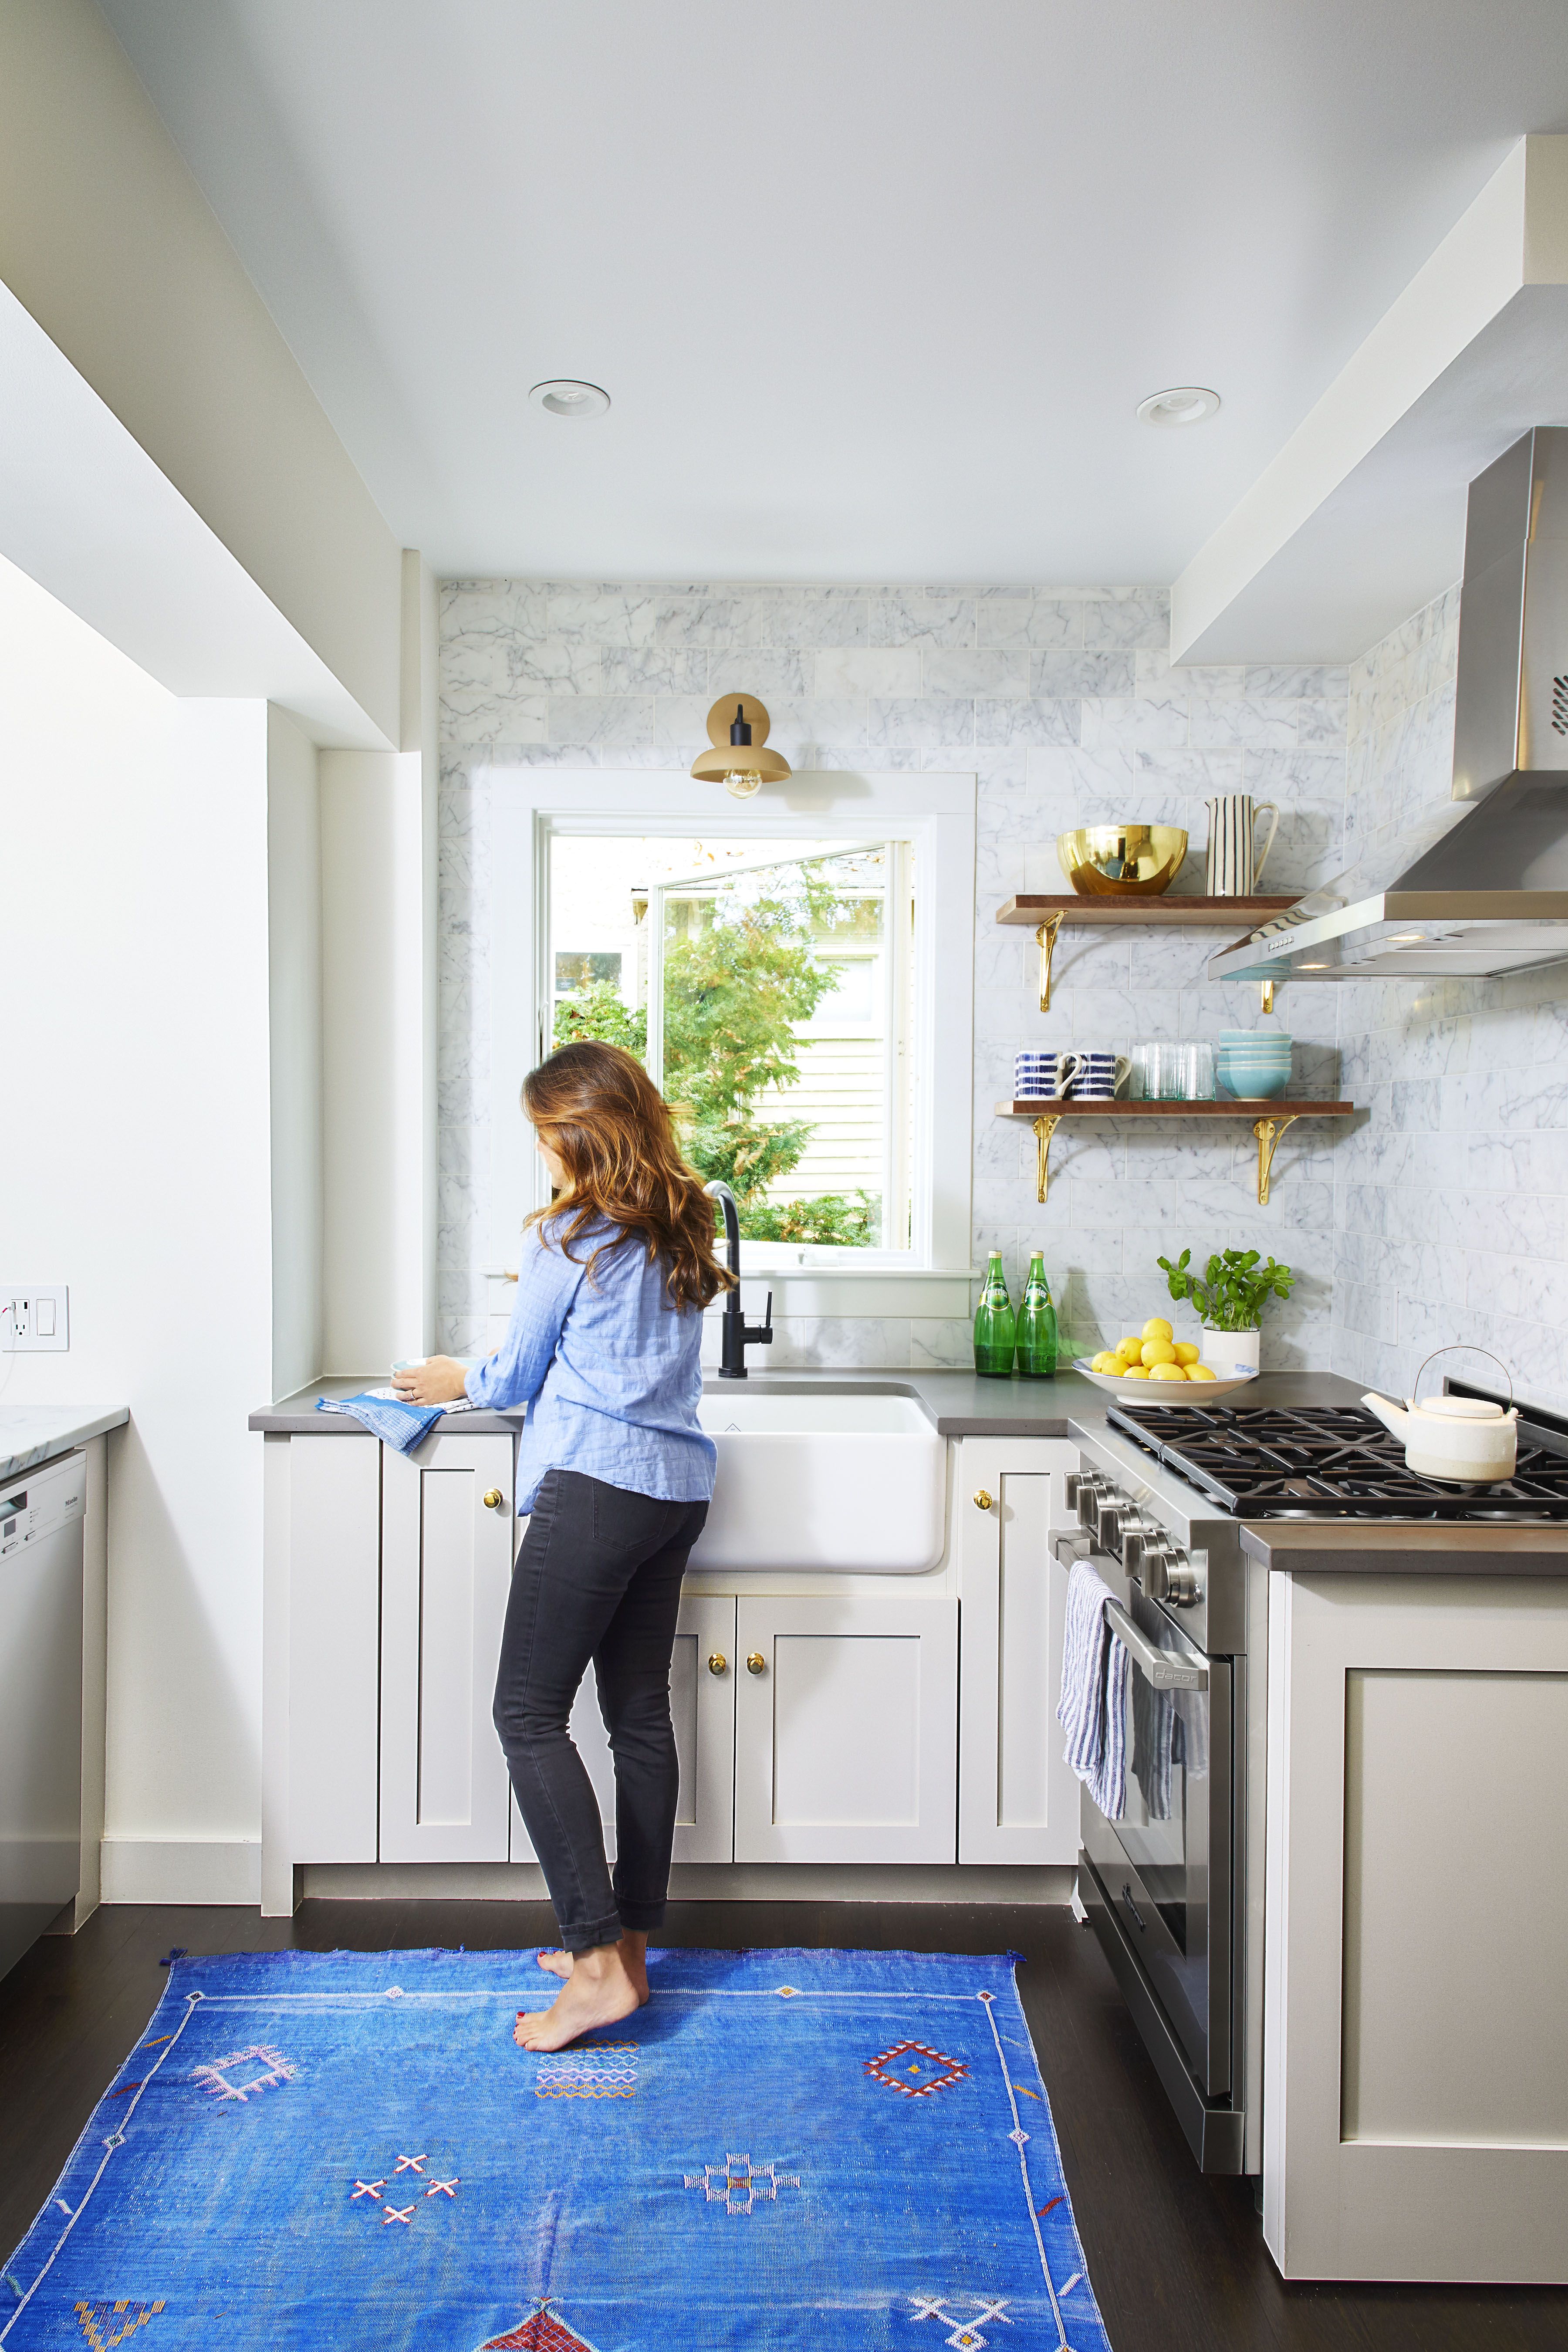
[(1166, 1863)]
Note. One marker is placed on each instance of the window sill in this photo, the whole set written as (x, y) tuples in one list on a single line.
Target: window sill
[(822, 1290)]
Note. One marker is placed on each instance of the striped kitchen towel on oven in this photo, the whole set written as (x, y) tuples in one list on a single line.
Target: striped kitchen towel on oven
[(1092, 1708)]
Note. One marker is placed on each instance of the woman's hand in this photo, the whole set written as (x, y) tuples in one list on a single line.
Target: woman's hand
[(439, 1379)]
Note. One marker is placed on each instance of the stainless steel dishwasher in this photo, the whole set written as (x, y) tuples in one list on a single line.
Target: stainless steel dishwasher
[(40, 1698)]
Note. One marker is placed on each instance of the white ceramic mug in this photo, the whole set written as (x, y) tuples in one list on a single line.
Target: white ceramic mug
[(1231, 870)]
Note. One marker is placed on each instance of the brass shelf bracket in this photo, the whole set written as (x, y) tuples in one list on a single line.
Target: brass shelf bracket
[(1266, 993), (1045, 940), (1045, 1128), (1269, 1132)]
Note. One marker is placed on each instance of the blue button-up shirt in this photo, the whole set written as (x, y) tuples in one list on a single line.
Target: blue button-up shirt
[(610, 1370)]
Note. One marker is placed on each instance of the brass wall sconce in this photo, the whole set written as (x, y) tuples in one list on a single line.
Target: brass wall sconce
[(739, 758)]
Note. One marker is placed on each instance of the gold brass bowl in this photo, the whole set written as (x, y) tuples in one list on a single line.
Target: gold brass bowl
[(1121, 861)]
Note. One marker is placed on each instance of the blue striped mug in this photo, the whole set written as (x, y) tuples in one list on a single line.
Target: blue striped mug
[(1102, 1079), (1044, 1077)]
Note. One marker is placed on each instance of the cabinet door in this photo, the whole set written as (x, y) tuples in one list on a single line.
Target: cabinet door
[(333, 1654), (1018, 1800), (702, 1708), (846, 1730), (446, 1563)]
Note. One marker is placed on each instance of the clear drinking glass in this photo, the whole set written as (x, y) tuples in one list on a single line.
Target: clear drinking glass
[(1168, 1070), (1195, 1073)]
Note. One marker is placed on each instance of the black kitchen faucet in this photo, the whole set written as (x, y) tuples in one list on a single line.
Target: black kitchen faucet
[(738, 1334)]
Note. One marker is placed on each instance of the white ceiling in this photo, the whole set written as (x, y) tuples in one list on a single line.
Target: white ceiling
[(875, 285)]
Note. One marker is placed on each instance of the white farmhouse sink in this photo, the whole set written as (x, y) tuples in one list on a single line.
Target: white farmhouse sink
[(822, 1479)]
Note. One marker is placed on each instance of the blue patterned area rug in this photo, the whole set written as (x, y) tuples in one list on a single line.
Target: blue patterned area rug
[(843, 2151)]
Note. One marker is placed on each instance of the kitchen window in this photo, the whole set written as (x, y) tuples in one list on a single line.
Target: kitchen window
[(795, 976)]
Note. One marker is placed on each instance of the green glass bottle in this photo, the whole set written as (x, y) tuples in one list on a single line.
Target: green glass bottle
[(995, 1329), (1037, 1325)]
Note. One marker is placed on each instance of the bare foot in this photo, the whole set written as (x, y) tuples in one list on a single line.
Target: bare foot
[(600, 1990), (558, 1964)]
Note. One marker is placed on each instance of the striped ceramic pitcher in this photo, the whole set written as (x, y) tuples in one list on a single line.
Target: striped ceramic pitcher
[(1232, 871)]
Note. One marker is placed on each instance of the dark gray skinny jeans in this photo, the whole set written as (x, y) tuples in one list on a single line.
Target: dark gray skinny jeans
[(598, 1579)]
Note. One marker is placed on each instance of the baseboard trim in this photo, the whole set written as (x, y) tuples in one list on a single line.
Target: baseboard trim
[(182, 1870), (710, 1882)]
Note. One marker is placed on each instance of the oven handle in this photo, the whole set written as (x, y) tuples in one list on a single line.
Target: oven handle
[(1163, 1670)]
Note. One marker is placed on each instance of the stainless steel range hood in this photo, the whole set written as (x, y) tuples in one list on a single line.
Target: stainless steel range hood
[(1489, 891)]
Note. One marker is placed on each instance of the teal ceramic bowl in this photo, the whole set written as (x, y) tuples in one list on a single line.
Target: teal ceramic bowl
[(1252, 1077)]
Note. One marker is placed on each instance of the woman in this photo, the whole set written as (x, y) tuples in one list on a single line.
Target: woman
[(617, 1476)]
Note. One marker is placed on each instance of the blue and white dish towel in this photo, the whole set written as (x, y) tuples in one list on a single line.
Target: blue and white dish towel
[(384, 1414), (1092, 1708)]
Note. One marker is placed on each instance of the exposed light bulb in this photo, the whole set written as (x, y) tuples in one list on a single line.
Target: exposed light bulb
[(743, 783)]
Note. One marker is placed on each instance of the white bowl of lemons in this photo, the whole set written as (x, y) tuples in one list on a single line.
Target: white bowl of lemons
[(1155, 1367)]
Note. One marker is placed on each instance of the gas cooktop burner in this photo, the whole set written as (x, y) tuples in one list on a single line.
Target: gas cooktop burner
[(1328, 1462)]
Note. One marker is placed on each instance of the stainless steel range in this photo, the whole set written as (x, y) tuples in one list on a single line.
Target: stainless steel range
[(1173, 1887)]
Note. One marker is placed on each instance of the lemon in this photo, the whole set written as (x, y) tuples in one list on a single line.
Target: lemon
[(1131, 1346), (1166, 1372), (1200, 1373), (1105, 1362), (1136, 1372), (1156, 1327), (1158, 1351), (1185, 1352)]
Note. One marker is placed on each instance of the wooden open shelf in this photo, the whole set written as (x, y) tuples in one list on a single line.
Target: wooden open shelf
[(1271, 1116), (1223, 1106), (1243, 914)]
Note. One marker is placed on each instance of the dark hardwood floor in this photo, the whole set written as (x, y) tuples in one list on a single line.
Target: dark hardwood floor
[(1177, 2261)]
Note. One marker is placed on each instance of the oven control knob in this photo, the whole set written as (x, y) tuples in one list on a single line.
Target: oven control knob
[(1146, 1560), (1182, 1587), (1138, 1534), (1113, 1515), (1090, 1488), (1167, 1574)]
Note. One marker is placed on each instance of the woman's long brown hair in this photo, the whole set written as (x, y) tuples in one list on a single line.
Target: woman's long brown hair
[(606, 1121)]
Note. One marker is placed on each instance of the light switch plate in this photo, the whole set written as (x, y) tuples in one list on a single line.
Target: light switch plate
[(35, 1317)]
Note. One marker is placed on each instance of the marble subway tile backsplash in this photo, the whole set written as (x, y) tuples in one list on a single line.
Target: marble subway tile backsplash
[(1063, 703), (1452, 1224)]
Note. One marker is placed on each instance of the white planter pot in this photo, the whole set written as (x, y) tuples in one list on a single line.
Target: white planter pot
[(1231, 1353)]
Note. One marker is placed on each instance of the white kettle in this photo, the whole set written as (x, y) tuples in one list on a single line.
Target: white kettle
[(1467, 1439)]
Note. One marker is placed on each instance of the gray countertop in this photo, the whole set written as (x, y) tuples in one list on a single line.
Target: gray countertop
[(963, 1404)]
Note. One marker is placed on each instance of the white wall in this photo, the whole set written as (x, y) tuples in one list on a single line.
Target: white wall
[(378, 898), (133, 971), (294, 925), (109, 243)]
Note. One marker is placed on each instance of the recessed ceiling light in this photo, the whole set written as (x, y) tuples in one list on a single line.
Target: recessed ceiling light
[(563, 395), (1184, 404)]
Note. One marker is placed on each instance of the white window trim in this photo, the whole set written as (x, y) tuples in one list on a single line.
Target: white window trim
[(936, 813)]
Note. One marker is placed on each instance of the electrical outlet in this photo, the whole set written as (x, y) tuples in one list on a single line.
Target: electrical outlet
[(35, 1319)]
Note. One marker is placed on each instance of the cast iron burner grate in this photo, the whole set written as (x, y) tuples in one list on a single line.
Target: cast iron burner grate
[(1318, 1462)]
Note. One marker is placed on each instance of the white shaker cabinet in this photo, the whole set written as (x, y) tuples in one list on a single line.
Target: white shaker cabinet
[(1018, 1800), (702, 1708), (446, 1569), (825, 1727), (846, 1729), (322, 1662)]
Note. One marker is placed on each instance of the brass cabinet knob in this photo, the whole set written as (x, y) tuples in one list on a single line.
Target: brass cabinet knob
[(716, 1662), (984, 1500), (756, 1664), (494, 1498)]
